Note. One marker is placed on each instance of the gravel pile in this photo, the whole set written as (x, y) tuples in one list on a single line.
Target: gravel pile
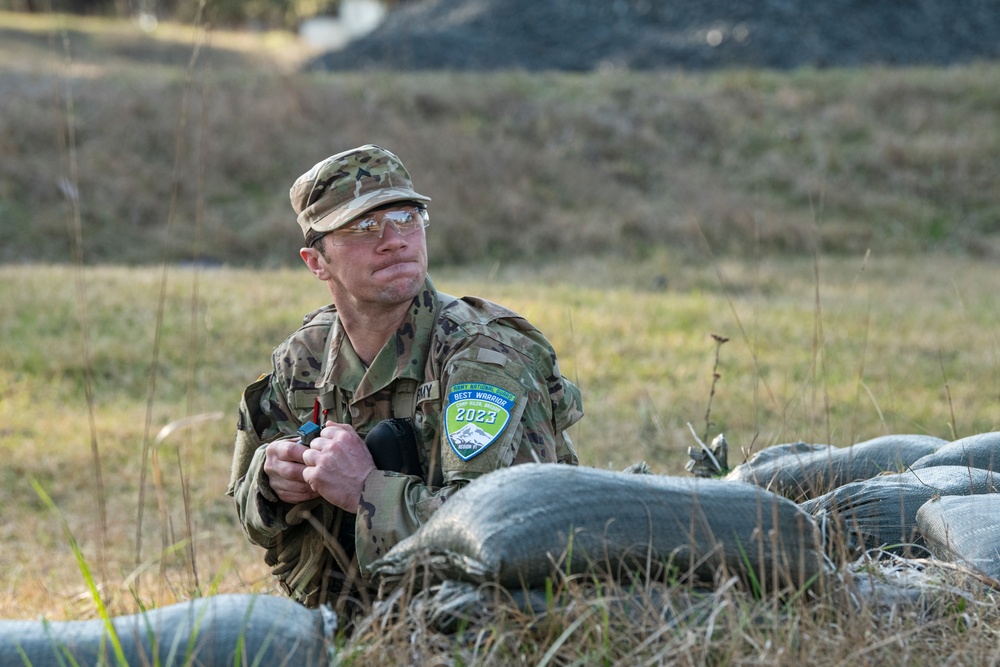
[(586, 35)]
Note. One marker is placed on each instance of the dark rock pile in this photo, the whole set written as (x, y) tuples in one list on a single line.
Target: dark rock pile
[(586, 35)]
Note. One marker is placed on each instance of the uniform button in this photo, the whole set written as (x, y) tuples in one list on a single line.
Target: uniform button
[(355, 412)]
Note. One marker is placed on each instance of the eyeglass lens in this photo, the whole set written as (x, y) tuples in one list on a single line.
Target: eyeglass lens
[(371, 230)]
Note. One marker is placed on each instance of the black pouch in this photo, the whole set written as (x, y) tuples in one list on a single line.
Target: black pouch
[(393, 446)]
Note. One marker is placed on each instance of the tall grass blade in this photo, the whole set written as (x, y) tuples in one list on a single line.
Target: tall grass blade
[(71, 190), (194, 343), (564, 637), (861, 374), (819, 351), (95, 594), (947, 391), (161, 301)]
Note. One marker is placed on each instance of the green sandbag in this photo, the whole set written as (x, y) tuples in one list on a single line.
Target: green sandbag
[(975, 451), (881, 513), (213, 631), (519, 525), (964, 529), (800, 471)]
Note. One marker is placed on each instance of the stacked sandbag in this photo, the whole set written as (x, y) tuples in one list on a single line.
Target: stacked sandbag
[(520, 526), (801, 471), (976, 451), (964, 529), (219, 630), (881, 513)]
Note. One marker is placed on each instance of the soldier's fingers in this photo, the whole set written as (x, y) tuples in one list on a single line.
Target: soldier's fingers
[(292, 492), (321, 457), (277, 468), (309, 457), (286, 450), (332, 430), (338, 438), (286, 485)]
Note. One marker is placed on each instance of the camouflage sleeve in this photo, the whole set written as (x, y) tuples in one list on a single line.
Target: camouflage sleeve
[(259, 509), (504, 402), (558, 406), (393, 506), (273, 407)]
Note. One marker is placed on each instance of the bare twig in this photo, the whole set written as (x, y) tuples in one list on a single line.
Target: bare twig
[(719, 341), (736, 315)]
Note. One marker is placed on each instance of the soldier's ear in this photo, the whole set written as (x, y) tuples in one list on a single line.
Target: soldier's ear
[(315, 261)]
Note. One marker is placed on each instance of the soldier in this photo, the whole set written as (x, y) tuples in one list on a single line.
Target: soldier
[(469, 387)]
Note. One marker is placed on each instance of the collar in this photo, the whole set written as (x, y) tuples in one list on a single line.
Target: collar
[(403, 356)]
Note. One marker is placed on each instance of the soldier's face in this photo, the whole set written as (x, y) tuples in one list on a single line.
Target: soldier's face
[(388, 272)]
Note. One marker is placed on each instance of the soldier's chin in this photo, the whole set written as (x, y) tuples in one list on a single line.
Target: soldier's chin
[(404, 287)]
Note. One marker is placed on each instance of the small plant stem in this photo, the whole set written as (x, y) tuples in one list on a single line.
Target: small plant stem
[(947, 393), (719, 341)]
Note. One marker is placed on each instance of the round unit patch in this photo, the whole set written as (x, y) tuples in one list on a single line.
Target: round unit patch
[(476, 416)]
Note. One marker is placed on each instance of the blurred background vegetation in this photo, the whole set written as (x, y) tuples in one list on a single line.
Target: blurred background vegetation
[(185, 139), (258, 14)]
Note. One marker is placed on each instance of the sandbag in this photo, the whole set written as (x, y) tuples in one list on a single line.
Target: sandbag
[(964, 529), (518, 525), (975, 451), (881, 513), (800, 471), (219, 630)]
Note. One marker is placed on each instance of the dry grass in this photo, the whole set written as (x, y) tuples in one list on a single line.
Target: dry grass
[(918, 616)]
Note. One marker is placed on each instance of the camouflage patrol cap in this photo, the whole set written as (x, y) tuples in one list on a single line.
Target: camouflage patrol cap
[(343, 186)]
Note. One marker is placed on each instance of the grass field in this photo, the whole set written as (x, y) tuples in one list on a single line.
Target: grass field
[(832, 350), (852, 272)]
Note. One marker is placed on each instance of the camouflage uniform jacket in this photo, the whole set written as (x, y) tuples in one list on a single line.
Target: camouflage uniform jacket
[(481, 384)]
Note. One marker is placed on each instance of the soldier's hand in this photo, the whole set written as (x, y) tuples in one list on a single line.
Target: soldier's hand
[(284, 467), (337, 464)]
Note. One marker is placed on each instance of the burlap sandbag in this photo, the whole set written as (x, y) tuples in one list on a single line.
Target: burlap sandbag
[(520, 525), (800, 471), (219, 630), (881, 513), (975, 451), (964, 529)]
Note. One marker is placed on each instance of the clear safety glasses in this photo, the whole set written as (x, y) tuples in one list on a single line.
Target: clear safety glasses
[(370, 229)]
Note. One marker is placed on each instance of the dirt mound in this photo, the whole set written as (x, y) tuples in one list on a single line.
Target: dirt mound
[(584, 35)]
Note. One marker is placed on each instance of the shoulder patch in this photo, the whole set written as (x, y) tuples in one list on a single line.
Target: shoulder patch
[(476, 416)]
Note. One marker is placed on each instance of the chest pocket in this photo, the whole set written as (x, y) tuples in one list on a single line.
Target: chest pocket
[(303, 401), (484, 397)]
